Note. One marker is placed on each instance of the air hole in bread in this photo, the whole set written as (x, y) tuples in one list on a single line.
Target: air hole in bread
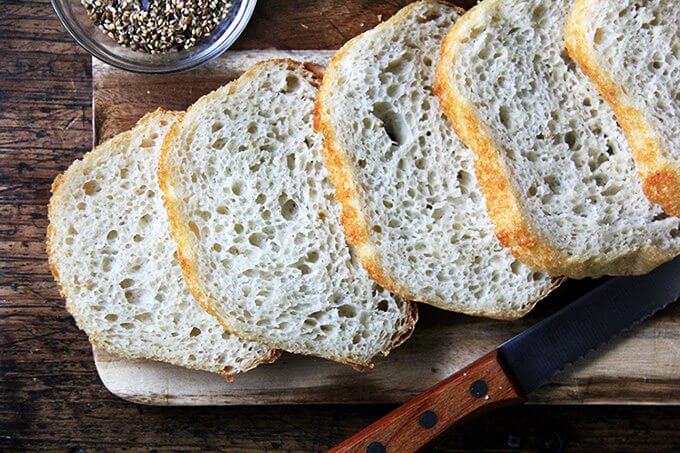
[(91, 187), (553, 183), (292, 83), (660, 216), (464, 178), (127, 325), (290, 161), (599, 34), (216, 126), (288, 207), (397, 66), (194, 229), (504, 116), (111, 235), (538, 13), (195, 331), (256, 239), (428, 16), (143, 317), (144, 220), (237, 188), (313, 257), (570, 139), (393, 123), (347, 311), (111, 317), (436, 214), (302, 267), (219, 143)]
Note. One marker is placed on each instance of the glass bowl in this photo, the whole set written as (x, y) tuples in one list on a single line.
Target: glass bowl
[(76, 21)]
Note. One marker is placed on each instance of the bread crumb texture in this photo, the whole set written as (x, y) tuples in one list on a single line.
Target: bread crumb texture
[(110, 248), (259, 226), (555, 167), (631, 50), (412, 204)]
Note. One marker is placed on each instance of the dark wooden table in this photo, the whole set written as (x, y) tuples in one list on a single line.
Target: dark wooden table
[(50, 395)]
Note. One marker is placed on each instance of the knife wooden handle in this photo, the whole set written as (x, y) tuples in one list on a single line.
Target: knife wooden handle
[(480, 386)]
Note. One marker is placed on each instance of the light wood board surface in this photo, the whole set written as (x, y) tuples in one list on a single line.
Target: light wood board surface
[(643, 366)]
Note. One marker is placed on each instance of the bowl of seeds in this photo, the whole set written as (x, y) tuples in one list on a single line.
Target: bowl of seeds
[(155, 36)]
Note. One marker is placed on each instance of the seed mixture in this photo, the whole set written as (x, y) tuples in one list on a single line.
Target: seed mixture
[(157, 26)]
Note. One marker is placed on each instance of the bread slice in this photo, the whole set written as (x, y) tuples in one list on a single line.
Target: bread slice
[(258, 229), (412, 205), (631, 50), (554, 166), (110, 250)]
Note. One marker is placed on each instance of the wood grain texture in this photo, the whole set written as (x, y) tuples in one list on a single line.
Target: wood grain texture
[(50, 394), (644, 367), (479, 387)]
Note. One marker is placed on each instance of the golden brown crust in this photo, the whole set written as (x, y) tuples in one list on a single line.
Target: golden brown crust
[(344, 177), (182, 235), (513, 227), (660, 176), (54, 206), (179, 229)]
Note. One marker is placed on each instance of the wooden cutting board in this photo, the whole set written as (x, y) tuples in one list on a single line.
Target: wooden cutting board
[(642, 366)]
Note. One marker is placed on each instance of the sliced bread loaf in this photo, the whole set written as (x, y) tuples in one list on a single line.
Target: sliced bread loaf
[(557, 173), (631, 50), (110, 250), (412, 206), (258, 229)]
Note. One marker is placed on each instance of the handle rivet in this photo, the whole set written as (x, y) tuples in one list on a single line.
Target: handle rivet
[(376, 447), (479, 389), (427, 419)]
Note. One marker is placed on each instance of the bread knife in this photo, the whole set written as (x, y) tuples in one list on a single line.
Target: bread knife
[(521, 365)]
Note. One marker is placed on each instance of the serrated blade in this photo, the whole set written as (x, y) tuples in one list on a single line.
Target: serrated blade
[(535, 355)]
